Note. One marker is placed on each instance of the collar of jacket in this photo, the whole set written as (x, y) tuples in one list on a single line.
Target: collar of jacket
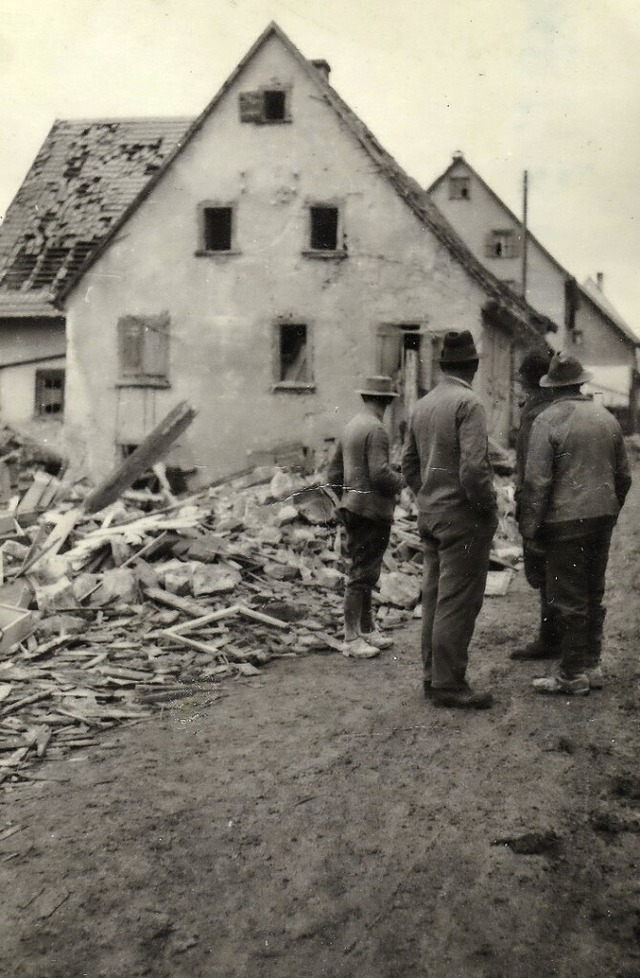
[(450, 379)]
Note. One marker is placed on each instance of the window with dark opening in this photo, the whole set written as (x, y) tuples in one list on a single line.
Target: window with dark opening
[(459, 188), (217, 224), (49, 393), (324, 228), (293, 360), (502, 244), (274, 106)]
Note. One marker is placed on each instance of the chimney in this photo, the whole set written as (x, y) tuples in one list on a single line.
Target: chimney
[(458, 154), (600, 280), (323, 67)]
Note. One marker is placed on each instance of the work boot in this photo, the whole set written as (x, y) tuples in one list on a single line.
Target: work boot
[(578, 686), (358, 648), (595, 677), (547, 644), (463, 699), (377, 639), (536, 650)]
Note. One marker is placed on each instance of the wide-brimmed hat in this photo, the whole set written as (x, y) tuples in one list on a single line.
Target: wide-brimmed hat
[(378, 386), (458, 348), (565, 371)]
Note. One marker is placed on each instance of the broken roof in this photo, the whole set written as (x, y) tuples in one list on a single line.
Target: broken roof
[(588, 288), (407, 188), (82, 179)]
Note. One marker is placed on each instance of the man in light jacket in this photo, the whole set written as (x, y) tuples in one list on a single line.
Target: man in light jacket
[(362, 477), (445, 462), (576, 481)]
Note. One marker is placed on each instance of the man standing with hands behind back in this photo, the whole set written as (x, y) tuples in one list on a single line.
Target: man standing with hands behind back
[(362, 477), (445, 462)]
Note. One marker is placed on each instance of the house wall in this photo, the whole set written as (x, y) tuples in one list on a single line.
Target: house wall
[(599, 342), (474, 217), (223, 309), (26, 346)]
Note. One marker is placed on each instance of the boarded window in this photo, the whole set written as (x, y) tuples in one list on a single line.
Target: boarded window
[(217, 226), (49, 393), (502, 244), (144, 348), (264, 106), (293, 354), (324, 228), (459, 188)]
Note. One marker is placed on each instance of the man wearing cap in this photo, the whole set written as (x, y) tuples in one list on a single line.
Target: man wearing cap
[(445, 462), (576, 481), (536, 399), (362, 477)]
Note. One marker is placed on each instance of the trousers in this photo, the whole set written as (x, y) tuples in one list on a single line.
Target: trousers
[(456, 562), (366, 541), (535, 571), (576, 570)]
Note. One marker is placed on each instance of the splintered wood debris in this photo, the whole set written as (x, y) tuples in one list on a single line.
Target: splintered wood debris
[(148, 601)]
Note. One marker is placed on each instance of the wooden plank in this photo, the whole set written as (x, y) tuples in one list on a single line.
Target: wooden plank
[(259, 616), (26, 701), (192, 643), (189, 626), (186, 605), (152, 450)]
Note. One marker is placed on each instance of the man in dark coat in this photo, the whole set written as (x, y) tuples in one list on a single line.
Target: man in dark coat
[(576, 481), (445, 462), (533, 367), (361, 475)]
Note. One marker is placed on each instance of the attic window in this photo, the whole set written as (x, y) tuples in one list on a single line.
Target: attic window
[(49, 393), (217, 223), (275, 105), (267, 105), (459, 188), (502, 244), (293, 364)]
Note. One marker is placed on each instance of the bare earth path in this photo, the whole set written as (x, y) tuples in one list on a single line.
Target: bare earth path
[(324, 820)]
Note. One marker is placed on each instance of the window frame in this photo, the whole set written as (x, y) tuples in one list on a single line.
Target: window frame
[(43, 374), (340, 251), (292, 386), (145, 378), (460, 182), (510, 241), (260, 118), (203, 207)]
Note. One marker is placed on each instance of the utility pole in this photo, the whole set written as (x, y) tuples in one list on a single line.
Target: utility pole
[(525, 196)]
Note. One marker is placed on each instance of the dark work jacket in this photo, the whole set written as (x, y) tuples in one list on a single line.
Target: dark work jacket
[(577, 468), (360, 472), (535, 403), (446, 455)]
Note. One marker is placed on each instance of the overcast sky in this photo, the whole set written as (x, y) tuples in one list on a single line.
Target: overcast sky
[(551, 86)]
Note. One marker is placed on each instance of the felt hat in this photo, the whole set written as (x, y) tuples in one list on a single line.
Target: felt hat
[(378, 386), (458, 348), (534, 366), (565, 371)]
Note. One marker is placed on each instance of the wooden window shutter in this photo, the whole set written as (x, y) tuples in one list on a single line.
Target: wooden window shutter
[(388, 350), (490, 245), (251, 106), (156, 345), (131, 341)]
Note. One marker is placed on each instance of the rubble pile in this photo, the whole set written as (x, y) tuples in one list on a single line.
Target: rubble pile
[(109, 615)]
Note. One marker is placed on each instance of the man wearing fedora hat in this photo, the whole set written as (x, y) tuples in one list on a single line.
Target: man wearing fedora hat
[(445, 462), (362, 477), (576, 481)]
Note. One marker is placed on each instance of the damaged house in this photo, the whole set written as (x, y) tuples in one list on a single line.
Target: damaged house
[(276, 257), (80, 182), (588, 325)]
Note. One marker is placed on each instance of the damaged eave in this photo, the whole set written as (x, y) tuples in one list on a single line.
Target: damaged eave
[(518, 318)]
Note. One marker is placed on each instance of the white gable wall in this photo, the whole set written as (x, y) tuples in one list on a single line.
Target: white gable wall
[(223, 309)]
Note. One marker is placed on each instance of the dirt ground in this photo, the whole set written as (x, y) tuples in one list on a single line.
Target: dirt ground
[(323, 819)]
